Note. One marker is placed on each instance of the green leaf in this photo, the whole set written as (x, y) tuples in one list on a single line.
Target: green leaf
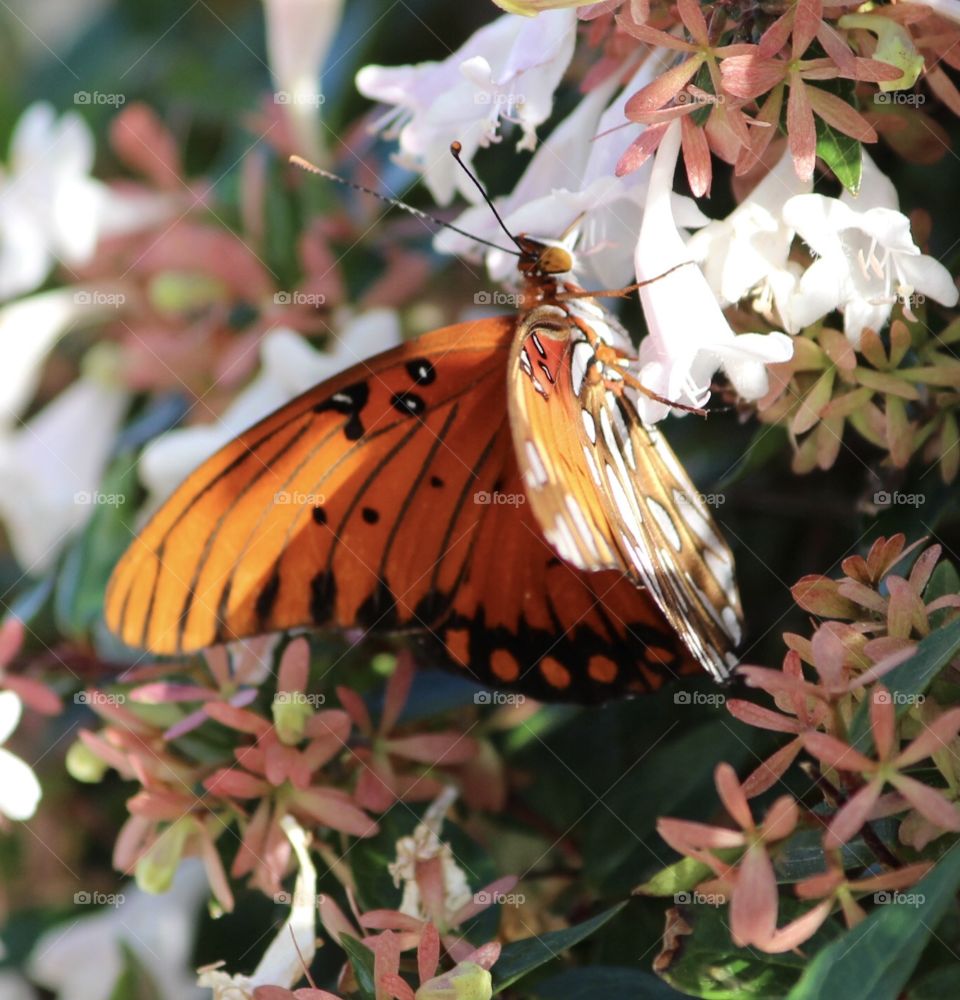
[(361, 961), (80, 587), (704, 962), (875, 959), (933, 653), (841, 154), (134, 982), (604, 981), (768, 443), (679, 876), (521, 957)]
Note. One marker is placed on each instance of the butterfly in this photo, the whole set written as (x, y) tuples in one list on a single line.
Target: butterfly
[(489, 486)]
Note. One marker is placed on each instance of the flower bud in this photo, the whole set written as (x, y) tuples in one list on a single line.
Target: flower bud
[(468, 981), (84, 765), (894, 47), (155, 870), (291, 711)]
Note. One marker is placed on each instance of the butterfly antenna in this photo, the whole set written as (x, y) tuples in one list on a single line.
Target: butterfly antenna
[(456, 149), (299, 161)]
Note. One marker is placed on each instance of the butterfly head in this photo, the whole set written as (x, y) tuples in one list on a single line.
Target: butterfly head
[(544, 258)]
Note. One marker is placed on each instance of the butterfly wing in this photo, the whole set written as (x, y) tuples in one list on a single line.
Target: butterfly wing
[(388, 498), (607, 489)]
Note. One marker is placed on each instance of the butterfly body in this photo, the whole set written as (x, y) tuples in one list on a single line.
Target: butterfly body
[(507, 517)]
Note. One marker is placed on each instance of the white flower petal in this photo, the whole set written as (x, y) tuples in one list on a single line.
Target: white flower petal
[(20, 791), (11, 708)]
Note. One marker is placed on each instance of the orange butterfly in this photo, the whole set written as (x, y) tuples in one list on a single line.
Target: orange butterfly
[(489, 484)]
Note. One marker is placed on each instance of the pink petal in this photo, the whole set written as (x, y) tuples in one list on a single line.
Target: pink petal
[(294, 666), (731, 795), (763, 718), (685, 835), (398, 690), (166, 691), (772, 769), (333, 808), (434, 748), (640, 150), (236, 784), (750, 76), (357, 709), (775, 37), (850, 818), (238, 718), (801, 132), (937, 736), (883, 721), (781, 819), (428, 953), (835, 753), (805, 25), (693, 20), (33, 693), (838, 114), (753, 906), (144, 143), (696, 157), (797, 931), (663, 89), (929, 802), (489, 893)]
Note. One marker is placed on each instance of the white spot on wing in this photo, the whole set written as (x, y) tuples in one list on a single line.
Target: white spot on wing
[(589, 425), (732, 625), (536, 467), (662, 517)]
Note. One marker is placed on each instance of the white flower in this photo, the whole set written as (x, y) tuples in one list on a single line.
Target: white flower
[(83, 961), (19, 789), (51, 467), (688, 338), (507, 70), (424, 844), (866, 257), (748, 251), (48, 202), (299, 35), (295, 944), (289, 366)]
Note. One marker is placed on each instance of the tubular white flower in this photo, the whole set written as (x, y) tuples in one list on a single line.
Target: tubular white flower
[(82, 961), (295, 943), (689, 339), (507, 70), (49, 204), (748, 251), (866, 257), (572, 175), (299, 36), (288, 366), (19, 789), (51, 468)]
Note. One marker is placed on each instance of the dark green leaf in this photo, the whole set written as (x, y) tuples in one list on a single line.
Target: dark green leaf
[(841, 154), (361, 961), (875, 959), (604, 981), (521, 957), (911, 678)]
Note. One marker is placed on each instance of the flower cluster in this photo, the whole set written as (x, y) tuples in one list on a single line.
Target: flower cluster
[(859, 742)]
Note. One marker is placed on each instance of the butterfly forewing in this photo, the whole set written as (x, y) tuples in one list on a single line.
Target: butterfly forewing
[(391, 498), (607, 489)]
